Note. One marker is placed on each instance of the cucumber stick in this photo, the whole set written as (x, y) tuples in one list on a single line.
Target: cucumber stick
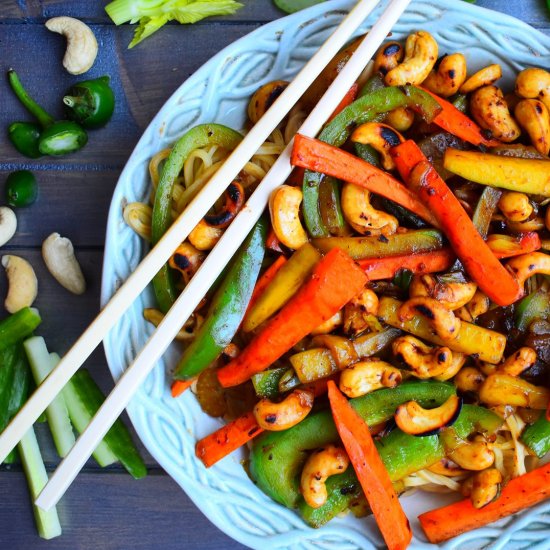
[(18, 326), (47, 523), (56, 412)]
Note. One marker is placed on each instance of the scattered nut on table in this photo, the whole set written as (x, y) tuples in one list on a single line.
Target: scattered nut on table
[(58, 254), (23, 285), (8, 224)]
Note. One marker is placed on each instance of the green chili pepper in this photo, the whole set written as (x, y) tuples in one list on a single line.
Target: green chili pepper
[(367, 108), (537, 436), (199, 136), (90, 103), (228, 306), (21, 188), (57, 138), (24, 136)]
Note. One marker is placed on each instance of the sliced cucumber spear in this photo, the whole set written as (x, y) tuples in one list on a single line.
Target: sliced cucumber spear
[(18, 326)]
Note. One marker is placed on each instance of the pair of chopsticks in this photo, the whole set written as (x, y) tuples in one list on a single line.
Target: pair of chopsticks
[(215, 261)]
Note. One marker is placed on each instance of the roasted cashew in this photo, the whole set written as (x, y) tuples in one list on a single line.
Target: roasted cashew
[(205, 236), (534, 223), (479, 304), (8, 224), (23, 285), (524, 358), (187, 332), (186, 259), (329, 325), (443, 321), (534, 83), (368, 375), (527, 265), (400, 119), (475, 455), (362, 216), (485, 487), (447, 76), (58, 255), (360, 312), (484, 77), (469, 379), (381, 138), (504, 389), (234, 200), (81, 43), (451, 295), (446, 467), (388, 56), (263, 98), (491, 112), (320, 465), (456, 364), (425, 361), (515, 206), (284, 208), (289, 412), (533, 116), (420, 57)]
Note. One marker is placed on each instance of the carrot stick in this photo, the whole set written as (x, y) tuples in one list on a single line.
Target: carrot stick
[(227, 439), (371, 472), (179, 386), (429, 262), (272, 242), (350, 96), (457, 123), (335, 280), (319, 156), (266, 278), (520, 493), (478, 260)]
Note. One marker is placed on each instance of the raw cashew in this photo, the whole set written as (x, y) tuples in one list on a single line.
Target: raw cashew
[(320, 465), (450, 295), (447, 76), (387, 57), (534, 83), (381, 138), (362, 216), (205, 236), (489, 109), (263, 99), (58, 254), (368, 375), (526, 265), (289, 412), (284, 208), (534, 117), (425, 361), (515, 206), (23, 285), (484, 77), (420, 57), (81, 43), (8, 224)]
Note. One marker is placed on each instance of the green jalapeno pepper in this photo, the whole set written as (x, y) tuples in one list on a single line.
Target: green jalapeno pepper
[(91, 102), (21, 188), (228, 306), (367, 108), (24, 136), (199, 136)]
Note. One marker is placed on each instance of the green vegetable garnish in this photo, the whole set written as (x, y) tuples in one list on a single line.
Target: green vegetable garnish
[(291, 6), (21, 188)]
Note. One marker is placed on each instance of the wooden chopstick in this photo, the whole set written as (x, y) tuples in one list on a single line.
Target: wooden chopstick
[(212, 266)]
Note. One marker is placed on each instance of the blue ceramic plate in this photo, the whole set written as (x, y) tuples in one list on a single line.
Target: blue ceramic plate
[(219, 92)]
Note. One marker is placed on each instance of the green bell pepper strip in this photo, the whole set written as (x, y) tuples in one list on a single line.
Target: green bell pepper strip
[(368, 108), (199, 136), (91, 103), (266, 383), (24, 136), (227, 308), (534, 306), (330, 207), (18, 326), (537, 436)]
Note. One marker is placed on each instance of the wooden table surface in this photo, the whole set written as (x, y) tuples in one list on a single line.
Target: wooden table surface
[(107, 509)]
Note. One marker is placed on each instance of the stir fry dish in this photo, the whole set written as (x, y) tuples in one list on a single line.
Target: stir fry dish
[(385, 327)]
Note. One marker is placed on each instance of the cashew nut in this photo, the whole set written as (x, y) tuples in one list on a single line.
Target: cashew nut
[(263, 98), (8, 224), (485, 487), (504, 389), (81, 43), (420, 57), (515, 206), (425, 361), (187, 332), (289, 412), (387, 57), (479, 304), (368, 375), (360, 312), (475, 455), (489, 109), (533, 116), (450, 294), (23, 285), (234, 200), (362, 216), (320, 465), (381, 138), (527, 265), (524, 358), (400, 119), (205, 236), (329, 325), (186, 259), (58, 255), (534, 83), (447, 76), (534, 223), (446, 467), (484, 77), (469, 379), (456, 364), (284, 208), (443, 321)]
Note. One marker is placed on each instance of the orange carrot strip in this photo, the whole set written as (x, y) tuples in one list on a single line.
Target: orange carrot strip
[(525, 243), (179, 386), (520, 493), (457, 123), (272, 242), (227, 439), (476, 257), (371, 472), (429, 262), (350, 96), (319, 156), (266, 278), (335, 280)]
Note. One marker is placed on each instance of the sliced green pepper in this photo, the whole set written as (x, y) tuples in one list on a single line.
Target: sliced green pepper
[(266, 383), (534, 306), (227, 308), (537, 436), (21, 188), (199, 136), (91, 102), (24, 136)]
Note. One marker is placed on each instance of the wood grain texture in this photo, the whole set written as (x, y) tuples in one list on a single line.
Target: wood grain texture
[(106, 509)]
